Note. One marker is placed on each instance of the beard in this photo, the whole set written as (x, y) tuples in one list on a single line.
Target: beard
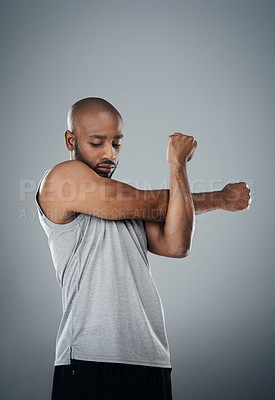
[(78, 156)]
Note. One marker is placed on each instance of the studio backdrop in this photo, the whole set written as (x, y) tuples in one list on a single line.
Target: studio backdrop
[(203, 68)]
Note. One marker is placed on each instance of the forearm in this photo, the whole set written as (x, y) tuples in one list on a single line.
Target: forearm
[(179, 226), (203, 202), (156, 203), (207, 201)]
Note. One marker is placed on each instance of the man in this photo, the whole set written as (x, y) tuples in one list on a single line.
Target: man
[(111, 342)]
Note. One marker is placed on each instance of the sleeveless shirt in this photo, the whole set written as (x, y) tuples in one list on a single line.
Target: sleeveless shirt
[(112, 311)]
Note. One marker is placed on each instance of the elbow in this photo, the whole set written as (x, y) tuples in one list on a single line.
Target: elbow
[(186, 245), (180, 252), (179, 247), (186, 252)]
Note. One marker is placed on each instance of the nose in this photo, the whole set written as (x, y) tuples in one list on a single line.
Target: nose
[(109, 152)]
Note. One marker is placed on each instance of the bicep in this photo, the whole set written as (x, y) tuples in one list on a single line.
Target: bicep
[(154, 233), (159, 243)]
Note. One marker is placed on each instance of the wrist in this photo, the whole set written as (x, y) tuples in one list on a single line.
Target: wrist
[(219, 199), (177, 164)]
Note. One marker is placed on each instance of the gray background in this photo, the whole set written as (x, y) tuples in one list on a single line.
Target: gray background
[(203, 68)]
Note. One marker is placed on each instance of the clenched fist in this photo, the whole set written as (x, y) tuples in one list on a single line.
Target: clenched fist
[(180, 148), (236, 197)]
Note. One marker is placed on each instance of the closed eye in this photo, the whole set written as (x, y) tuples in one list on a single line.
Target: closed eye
[(95, 144), (116, 145)]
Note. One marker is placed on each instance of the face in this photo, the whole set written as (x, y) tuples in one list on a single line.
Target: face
[(97, 142)]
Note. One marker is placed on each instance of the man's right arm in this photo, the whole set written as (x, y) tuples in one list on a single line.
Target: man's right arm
[(73, 187)]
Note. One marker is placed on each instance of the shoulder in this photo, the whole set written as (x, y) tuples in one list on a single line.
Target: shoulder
[(66, 172), (66, 168), (55, 186)]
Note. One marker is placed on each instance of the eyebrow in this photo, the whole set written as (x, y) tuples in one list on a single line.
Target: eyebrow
[(105, 137)]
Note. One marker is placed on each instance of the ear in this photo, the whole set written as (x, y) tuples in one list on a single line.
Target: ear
[(70, 140)]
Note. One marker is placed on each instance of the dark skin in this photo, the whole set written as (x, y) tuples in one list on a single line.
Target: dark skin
[(97, 137), (95, 141), (233, 197)]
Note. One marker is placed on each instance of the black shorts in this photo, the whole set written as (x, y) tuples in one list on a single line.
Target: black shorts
[(92, 380)]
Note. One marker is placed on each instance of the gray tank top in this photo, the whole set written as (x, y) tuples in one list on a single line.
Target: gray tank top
[(112, 311)]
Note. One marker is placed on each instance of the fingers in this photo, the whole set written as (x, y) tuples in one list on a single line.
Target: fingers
[(246, 194), (180, 134)]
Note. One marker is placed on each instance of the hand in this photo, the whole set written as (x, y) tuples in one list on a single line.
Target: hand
[(236, 197), (180, 148)]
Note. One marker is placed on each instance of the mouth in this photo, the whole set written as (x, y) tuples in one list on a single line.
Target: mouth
[(106, 169)]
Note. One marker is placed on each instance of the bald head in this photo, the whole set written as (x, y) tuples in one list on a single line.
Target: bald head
[(92, 105)]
